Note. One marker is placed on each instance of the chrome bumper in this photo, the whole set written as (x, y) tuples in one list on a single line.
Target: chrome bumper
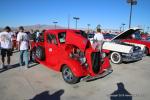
[(105, 73), (132, 56)]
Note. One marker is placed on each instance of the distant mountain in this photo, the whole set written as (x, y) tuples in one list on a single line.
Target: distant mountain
[(38, 27), (42, 27)]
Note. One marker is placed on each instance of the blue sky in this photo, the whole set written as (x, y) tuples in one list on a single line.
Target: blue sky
[(107, 13)]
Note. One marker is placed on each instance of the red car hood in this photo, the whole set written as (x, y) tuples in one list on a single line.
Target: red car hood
[(73, 38), (125, 34)]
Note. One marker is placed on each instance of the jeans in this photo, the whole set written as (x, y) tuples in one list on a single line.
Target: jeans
[(24, 55)]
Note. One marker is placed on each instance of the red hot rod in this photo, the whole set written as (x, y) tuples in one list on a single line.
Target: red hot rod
[(70, 52)]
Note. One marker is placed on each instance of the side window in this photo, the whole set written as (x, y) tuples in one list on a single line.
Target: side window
[(51, 39), (62, 37)]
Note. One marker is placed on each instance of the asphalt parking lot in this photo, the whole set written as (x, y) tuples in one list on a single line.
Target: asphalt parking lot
[(41, 83)]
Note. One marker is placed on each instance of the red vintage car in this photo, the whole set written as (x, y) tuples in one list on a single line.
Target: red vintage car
[(145, 36), (70, 52), (134, 36)]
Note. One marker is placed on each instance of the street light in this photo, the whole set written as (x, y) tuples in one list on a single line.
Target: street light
[(55, 24), (76, 18), (123, 24), (148, 29), (131, 2), (88, 27)]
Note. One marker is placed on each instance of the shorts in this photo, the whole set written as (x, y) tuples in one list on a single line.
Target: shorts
[(5, 52)]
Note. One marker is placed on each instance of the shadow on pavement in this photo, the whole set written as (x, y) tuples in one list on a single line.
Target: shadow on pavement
[(12, 66), (30, 66), (46, 96), (132, 61), (121, 93), (17, 65)]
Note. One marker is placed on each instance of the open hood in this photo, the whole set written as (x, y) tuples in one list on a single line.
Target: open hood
[(125, 35), (77, 39)]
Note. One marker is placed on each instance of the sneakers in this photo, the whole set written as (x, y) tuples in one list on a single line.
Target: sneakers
[(3, 67)]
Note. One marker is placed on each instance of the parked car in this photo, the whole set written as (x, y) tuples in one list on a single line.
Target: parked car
[(119, 51), (70, 52), (90, 36), (132, 36), (108, 36), (145, 36)]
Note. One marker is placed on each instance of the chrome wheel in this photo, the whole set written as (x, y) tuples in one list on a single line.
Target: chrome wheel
[(68, 76), (116, 58)]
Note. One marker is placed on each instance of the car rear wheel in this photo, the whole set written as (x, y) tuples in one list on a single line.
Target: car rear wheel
[(116, 58), (40, 53), (68, 76)]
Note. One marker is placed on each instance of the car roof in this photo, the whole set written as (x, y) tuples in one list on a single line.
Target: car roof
[(56, 31)]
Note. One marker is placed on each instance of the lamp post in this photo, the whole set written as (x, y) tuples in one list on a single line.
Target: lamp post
[(68, 21), (123, 24), (148, 29), (88, 27), (55, 24), (76, 19), (131, 2)]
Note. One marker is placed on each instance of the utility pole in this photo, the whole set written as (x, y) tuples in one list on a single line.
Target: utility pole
[(123, 24), (69, 21), (55, 24), (88, 27), (131, 2), (76, 19)]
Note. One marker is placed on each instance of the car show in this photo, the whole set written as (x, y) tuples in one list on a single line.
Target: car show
[(74, 50)]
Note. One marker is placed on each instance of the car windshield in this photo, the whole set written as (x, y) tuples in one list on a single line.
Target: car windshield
[(90, 35), (137, 35), (83, 34), (109, 36)]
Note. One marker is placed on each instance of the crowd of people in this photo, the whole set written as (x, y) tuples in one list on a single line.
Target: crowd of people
[(22, 43)]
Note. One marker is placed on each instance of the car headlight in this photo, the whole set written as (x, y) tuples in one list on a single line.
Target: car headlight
[(131, 50)]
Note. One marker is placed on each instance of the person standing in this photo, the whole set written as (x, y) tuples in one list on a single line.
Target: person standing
[(98, 40), (6, 46), (23, 46), (98, 36)]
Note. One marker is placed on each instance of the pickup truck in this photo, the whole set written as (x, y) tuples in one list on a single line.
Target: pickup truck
[(70, 52)]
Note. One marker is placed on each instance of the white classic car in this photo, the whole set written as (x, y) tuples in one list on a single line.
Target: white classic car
[(122, 52)]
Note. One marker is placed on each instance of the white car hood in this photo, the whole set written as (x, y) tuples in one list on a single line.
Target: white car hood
[(125, 34)]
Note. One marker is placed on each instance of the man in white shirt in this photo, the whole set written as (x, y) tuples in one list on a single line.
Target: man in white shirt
[(98, 40), (6, 46), (98, 36), (23, 46)]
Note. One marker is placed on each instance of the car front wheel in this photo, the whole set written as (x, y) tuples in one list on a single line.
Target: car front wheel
[(68, 76), (116, 58)]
